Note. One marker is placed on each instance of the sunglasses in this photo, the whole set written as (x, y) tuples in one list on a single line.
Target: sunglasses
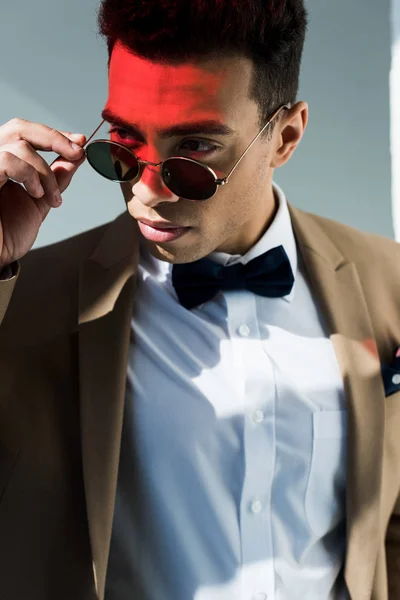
[(184, 177)]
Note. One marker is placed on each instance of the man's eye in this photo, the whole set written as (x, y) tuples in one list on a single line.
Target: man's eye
[(206, 148), (120, 133), (192, 146)]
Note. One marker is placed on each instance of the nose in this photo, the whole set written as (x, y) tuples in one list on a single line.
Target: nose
[(151, 189)]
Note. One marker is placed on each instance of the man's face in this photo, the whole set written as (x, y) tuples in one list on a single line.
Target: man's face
[(155, 97)]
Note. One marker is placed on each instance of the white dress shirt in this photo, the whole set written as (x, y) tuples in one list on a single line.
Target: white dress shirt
[(233, 460)]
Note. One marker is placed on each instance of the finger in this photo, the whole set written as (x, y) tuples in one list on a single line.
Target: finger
[(39, 137), (14, 168), (78, 138), (23, 150)]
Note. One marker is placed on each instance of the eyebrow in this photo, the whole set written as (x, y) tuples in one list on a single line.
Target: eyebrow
[(209, 127)]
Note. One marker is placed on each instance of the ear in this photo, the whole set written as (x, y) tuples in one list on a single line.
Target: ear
[(288, 133)]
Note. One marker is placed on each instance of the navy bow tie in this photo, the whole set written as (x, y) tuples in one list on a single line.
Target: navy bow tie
[(267, 275)]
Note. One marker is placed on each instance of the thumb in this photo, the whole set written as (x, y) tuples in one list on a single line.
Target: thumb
[(64, 171)]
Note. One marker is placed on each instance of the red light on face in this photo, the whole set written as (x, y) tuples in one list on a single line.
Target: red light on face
[(154, 96)]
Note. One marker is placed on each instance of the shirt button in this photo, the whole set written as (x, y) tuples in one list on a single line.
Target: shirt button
[(396, 379), (256, 507), (244, 331), (258, 416), (260, 596)]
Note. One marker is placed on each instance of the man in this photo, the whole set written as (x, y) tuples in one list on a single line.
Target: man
[(192, 400)]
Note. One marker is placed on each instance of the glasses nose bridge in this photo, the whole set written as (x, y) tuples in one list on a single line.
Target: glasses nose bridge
[(147, 162)]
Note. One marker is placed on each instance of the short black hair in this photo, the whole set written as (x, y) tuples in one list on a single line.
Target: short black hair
[(269, 32)]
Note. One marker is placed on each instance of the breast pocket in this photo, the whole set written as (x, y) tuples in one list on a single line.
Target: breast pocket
[(325, 492)]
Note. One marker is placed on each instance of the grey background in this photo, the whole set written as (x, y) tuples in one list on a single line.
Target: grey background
[(395, 115), (54, 71)]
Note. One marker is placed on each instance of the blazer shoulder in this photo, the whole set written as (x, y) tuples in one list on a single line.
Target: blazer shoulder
[(359, 246), (377, 261), (68, 251), (44, 299)]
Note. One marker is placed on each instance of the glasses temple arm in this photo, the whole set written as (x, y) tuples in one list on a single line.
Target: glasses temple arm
[(276, 113), (94, 133)]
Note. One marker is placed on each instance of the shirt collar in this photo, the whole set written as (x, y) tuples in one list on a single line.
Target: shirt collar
[(279, 233)]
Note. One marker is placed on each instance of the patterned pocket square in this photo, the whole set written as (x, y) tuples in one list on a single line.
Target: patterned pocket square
[(391, 375)]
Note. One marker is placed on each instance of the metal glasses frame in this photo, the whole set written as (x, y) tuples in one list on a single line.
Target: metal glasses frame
[(218, 181)]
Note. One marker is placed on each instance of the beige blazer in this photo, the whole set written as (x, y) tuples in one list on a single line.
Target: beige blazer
[(64, 337)]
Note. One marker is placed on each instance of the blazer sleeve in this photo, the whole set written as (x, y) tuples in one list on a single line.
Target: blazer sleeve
[(393, 553), (7, 288)]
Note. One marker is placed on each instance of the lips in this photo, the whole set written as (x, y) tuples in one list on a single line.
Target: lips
[(160, 224), (164, 233)]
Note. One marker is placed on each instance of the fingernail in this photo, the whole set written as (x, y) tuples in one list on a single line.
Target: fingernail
[(58, 197), (76, 147)]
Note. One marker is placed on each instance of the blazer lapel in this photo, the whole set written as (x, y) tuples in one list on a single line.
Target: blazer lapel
[(106, 291), (337, 285)]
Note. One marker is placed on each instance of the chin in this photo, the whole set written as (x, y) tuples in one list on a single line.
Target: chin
[(176, 256)]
